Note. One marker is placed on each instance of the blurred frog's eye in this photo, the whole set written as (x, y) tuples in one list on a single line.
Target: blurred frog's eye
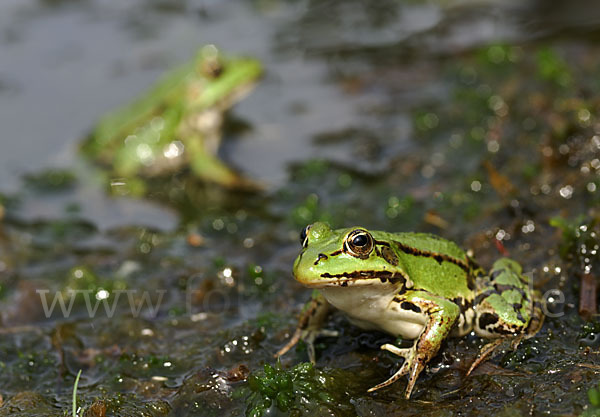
[(304, 236), (359, 243)]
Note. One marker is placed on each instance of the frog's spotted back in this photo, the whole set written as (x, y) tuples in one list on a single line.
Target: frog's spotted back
[(504, 303)]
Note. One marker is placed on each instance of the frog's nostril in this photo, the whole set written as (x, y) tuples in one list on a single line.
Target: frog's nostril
[(321, 256)]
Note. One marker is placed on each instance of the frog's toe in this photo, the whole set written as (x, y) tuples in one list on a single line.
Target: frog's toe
[(405, 353), (400, 373), (308, 337), (516, 341), (484, 353), (290, 344)]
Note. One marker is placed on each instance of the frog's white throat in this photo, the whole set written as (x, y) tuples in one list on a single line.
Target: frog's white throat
[(371, 307)]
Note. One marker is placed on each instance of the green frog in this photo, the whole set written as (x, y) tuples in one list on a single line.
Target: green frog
[(411, 285), (177, 123)]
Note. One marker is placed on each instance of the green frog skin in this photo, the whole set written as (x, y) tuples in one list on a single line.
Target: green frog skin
[(177, 123), (411, 285)]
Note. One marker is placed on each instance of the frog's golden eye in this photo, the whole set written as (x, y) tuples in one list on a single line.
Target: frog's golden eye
[(359, 243), (304, 236)]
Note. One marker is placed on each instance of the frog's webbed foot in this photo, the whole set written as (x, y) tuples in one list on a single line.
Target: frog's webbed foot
[(414, 363), (309, 326), (407, 354), (441, 315)]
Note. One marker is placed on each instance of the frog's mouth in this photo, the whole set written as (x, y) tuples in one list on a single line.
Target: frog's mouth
[(355, 278)]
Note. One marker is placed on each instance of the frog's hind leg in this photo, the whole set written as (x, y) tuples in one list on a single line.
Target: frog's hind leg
[(506, 308), (484, 353), (537, 316), (441, 315)]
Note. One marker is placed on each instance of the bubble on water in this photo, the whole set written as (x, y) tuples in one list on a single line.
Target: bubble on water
[(584, 115), (493, 146), (173, 149), (546, 188), (147, 332), (528, 227), (566, 191), (144, 153), (218, 224), (102, 295), (563, 149)]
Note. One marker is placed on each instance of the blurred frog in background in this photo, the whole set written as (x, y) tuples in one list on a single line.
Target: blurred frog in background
[(176, 125)]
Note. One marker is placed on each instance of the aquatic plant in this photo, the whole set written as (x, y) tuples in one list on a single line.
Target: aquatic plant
[(302, 389)]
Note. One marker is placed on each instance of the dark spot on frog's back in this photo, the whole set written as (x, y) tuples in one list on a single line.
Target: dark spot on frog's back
[(517, 308), (486, 319), (389, 255), (495, 274), (405, 305), (500, 288)]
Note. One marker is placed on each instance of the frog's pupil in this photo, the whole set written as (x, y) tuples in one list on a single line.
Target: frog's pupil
[(360, 240)]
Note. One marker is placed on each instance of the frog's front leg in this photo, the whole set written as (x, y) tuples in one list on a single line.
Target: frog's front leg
[(441, 314), (310, 325)]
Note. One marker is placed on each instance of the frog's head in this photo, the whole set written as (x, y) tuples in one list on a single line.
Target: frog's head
[(226, 79), (343, 257)]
